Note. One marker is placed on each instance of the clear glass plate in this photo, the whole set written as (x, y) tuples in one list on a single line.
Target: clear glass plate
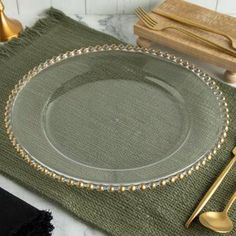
[(116, 117)]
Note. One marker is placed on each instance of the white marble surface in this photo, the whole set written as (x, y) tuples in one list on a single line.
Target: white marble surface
[(65, 224)]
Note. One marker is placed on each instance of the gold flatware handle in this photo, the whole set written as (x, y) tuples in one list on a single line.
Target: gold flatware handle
[(194, 24), (153, 24), (230, 203), (202, 39), (212, 190)]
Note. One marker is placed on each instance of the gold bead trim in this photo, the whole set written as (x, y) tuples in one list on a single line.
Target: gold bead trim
[(102, 187)]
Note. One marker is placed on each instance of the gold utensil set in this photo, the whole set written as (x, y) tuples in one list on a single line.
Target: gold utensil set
[(152, 23), (219, 221), (216, 221), (210, 219)]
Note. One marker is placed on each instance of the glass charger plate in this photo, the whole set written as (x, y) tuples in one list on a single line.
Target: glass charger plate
[(116, 118)]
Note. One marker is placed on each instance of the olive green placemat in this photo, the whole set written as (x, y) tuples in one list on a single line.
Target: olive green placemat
[(161, 211)]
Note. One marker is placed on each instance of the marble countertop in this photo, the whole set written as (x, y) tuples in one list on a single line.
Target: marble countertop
[(120, 26)]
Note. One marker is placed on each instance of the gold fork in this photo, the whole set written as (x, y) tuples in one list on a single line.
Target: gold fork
[(153, 24)]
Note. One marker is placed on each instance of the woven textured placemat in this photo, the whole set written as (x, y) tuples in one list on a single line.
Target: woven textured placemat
[(162, 211)]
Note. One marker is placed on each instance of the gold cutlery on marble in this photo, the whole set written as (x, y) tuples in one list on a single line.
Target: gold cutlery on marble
[(195, 24), (212, 189), (219, 221), (153, 24)]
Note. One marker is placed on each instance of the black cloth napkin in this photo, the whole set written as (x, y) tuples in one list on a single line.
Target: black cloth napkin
[(18, 218)]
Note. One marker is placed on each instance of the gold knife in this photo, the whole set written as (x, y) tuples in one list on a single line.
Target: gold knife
[(212, 189), (195, 24)]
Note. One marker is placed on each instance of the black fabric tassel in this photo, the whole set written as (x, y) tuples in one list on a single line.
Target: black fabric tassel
[(18, 218)]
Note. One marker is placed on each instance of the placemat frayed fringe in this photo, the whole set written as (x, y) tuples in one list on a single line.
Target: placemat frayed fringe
[(29, 34)]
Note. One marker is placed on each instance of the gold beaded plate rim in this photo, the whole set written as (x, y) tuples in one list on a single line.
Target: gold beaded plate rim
[(121, 188)]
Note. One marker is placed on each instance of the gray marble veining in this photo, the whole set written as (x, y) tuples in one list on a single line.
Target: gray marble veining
[(120, 26)]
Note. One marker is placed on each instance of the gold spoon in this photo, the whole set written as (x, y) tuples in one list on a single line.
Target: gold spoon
[(212, 189), (218, 221)]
